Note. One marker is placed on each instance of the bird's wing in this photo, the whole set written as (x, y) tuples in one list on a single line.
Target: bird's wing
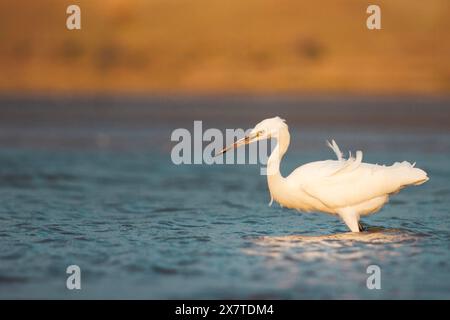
[(348, 182)]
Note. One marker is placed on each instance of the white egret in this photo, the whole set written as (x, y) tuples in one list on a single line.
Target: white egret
[(348, 188)]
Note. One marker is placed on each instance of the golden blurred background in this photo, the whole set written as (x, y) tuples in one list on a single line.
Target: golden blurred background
[(225, 46)]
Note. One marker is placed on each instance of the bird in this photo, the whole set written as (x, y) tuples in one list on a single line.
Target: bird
[(347, 188)]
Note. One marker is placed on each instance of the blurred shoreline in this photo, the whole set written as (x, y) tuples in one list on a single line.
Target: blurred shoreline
[(145, 122), (381, 112)]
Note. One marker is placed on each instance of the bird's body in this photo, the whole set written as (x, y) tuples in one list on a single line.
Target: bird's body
[(348, 188)]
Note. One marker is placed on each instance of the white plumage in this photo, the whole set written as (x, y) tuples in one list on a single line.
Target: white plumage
[(348, 188)]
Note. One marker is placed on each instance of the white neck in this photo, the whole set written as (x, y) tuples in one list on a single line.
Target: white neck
[(274, 177)]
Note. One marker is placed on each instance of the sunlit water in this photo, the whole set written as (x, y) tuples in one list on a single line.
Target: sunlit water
[(141, 227)]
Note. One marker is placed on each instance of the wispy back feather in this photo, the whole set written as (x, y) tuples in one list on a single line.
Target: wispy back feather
[(333, 145)]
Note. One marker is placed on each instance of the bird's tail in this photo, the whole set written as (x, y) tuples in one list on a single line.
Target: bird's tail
[(409, 174)]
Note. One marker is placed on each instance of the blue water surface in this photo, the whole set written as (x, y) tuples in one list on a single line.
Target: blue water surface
[(139, 226)]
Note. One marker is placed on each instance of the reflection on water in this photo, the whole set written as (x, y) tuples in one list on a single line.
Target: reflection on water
[(372, 235), (343, 246)]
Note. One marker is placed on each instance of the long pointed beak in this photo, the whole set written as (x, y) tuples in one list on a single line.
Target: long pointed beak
[(248, 139)]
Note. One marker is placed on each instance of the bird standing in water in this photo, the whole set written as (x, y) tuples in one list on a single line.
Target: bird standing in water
[(348, 188)]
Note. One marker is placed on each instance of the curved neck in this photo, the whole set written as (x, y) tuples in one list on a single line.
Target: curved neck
[(273, 164)]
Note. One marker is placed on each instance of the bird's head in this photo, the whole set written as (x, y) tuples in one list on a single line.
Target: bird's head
[(269, 128), (266, 129)]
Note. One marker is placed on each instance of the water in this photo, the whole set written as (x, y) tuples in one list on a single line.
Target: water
[(141, 227)]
